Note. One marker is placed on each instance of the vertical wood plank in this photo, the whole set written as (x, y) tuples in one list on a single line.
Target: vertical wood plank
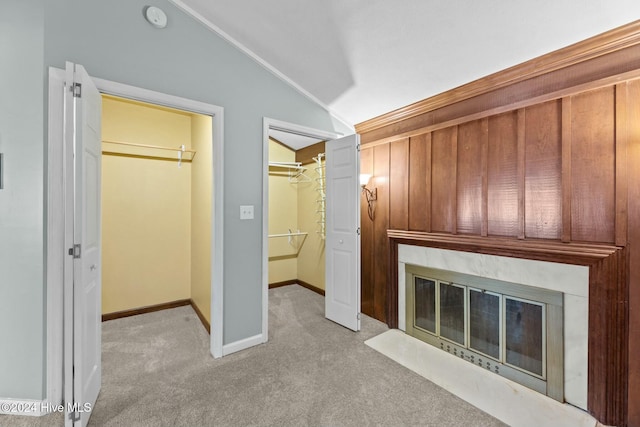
[(502, 193), (593, 166), (566, 169), (366, 241), (633, 160), (484, 165), (419, 182), (443, 184), (471, 146), (399, 185), (543, 171), (392, 288), (521, 169), (380, 180), (621, 182), (608, 331)]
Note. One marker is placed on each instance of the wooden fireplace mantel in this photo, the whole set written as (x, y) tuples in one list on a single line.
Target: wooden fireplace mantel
[(608, 302)]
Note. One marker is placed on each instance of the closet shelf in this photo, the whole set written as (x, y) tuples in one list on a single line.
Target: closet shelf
[(130, 149), (294, 238), (299, 233), (294, 170)]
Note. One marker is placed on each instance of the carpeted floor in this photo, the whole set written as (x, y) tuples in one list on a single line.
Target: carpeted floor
[(157, 371)]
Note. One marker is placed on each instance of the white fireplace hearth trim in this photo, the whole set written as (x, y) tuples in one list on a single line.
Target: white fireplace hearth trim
[(571, 280), (507, 401)]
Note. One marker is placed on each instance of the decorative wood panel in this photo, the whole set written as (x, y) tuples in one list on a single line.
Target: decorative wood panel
[(502, 194), (420, 182), (621, 183), (366, 241), (543, 171), (608, 328), (443, 179), (633, 160), (566, 169), (471, 168), (381, 224), (399, 185), (593, 166)]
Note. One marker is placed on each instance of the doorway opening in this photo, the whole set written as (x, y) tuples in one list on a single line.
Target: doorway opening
[(297, 192), (60, 237), (293, 203), (156, 209), (298, 189)]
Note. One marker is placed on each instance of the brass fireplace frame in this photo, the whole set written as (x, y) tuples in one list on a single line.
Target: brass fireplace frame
[(551, 382)]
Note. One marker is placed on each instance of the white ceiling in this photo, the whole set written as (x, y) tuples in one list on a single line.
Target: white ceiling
[(363, 58)]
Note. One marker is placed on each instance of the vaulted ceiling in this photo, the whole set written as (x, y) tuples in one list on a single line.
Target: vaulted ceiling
[(363, 58)]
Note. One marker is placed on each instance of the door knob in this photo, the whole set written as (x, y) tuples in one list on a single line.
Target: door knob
[(341, 241), (93, 267)]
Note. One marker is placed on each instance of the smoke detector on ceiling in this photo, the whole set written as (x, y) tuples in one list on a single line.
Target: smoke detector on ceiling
[(155, 16)]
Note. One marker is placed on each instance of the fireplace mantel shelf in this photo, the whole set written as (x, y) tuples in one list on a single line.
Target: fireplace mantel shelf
[(570, 253)]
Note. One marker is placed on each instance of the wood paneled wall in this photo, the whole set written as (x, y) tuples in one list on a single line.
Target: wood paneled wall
[(548, 159), (547, 171)]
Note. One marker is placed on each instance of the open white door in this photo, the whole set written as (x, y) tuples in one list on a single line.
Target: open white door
[(82, 318), (342, 246)]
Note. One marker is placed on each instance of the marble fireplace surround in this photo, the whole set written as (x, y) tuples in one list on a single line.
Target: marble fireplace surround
[(598, 302), (571, 280)]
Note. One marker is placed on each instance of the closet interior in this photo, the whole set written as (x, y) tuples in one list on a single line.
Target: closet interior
[(296, 215), (156, 208)]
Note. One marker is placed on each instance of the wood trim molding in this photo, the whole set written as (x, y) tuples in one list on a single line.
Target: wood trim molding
[(284, 283), (203, 319), (606, 43), (608, 364), (311, 287), (297, 282), (542, 250), (143, 310)]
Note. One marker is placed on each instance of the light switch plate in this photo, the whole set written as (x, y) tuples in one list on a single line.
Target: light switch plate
[(246, 212)]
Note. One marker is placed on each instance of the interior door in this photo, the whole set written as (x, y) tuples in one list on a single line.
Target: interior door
[(342, 245), (83, 106)]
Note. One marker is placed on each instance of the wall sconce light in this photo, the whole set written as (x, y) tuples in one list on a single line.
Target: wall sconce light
[(371, 195)]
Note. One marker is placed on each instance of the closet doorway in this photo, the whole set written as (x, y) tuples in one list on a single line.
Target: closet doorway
[(303, 195), (157, 178)]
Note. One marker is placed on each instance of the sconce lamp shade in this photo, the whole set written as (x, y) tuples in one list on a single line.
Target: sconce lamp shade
[(364, 179)]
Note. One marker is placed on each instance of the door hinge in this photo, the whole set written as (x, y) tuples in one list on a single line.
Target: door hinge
[(74, 416), (359, 316), (358, 231), (77, 90), (358, 147), (75, 251)]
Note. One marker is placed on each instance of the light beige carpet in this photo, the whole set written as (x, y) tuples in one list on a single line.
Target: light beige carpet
[(157, 371)]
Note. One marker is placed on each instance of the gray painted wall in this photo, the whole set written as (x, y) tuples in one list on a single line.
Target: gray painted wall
[(22, 291), (112, 41)]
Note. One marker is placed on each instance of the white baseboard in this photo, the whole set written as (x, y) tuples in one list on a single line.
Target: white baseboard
[(242, 344), (35, 408)]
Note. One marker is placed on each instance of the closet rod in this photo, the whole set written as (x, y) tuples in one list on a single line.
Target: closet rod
[(157, 147), (299, 233), (289, 165)]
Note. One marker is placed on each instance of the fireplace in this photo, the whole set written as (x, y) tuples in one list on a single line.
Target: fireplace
[(562, 288), (510, 329)]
